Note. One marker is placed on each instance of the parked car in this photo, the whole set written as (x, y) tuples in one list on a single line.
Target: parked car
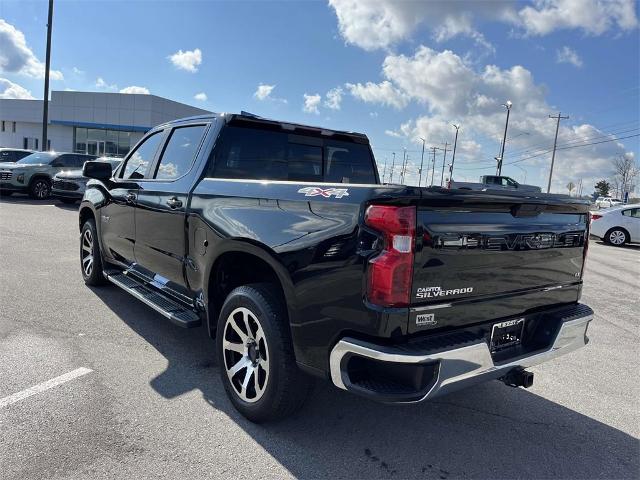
[(494, 182), (607, 202), (68, 186), (280, 239), (13, 154), (618, 225), (34, 173)]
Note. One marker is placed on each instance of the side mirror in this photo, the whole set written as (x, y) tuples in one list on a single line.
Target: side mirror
[(97, 170)]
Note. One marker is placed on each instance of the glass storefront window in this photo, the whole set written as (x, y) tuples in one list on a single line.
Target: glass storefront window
[(97, 141)]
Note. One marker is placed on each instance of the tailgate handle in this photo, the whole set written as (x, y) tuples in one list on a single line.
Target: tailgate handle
[(527, 210)]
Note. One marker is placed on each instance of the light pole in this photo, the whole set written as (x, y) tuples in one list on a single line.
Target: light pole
[(444, 161), (393, 165), (45, 102), (421, 162), (455, 144), (504, 138), (404, 164)]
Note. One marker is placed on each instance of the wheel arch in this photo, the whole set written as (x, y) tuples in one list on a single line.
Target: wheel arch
[(243, 263)]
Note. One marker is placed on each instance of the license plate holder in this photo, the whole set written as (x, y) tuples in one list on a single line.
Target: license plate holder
[(506, 334)]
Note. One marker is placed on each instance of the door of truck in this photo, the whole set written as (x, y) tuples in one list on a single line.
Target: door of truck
[(117, 217), (161, 247)]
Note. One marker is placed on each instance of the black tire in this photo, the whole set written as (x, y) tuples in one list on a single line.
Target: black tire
[(285, 386), (90, 259), (68, 201), (617, 237), (40, 188)]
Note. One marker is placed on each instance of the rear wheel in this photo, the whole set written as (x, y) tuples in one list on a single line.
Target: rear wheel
[(255, 355), (90, 259), (616, 236), (40, 189)]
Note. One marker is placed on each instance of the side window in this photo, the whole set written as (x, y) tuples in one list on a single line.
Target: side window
[(7, 156), (66, 160), (139, 161), (632, 212), (180, 152)]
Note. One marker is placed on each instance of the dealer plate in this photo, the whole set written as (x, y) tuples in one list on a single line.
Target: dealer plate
[(506, 334)]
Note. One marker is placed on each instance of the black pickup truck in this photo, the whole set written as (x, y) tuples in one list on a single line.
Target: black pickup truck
[(281, 241)]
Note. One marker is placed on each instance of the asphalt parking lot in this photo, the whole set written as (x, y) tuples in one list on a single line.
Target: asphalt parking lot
[(149, 403)]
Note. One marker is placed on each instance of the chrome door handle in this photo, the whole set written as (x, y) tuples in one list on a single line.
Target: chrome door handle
[(174, 203), (130, 197)]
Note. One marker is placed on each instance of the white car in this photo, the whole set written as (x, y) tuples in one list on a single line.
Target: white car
[(607, 202), (617, 225)]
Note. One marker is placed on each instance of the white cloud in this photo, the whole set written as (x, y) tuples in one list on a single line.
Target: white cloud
[(375, 24), (594, 17), (17, 57), (263, 91), (568, 55), (311, 103), (136, 90), (333, 98), (201, 97), (188, 60), (102, 85), (8, 89), (383, 93), (77, 71), (453, 91)]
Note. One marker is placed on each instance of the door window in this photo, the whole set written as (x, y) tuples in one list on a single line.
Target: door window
[(632, 212), (67, 160), (139, 161), (180, 152)]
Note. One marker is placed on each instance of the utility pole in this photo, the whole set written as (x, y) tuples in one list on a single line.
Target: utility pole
[(555, 143), (45, 104), (404, 164), (508, 106), (444, 161), (393, 165), (421, 162), (455, 144), (433, 164), (384, 171)]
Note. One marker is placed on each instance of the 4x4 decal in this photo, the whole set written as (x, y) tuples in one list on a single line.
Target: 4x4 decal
[(324, 192)]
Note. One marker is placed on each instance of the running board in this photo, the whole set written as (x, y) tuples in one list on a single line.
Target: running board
[(177, 314)]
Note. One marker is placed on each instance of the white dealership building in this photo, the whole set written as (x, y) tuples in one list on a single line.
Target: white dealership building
[(87, 122)]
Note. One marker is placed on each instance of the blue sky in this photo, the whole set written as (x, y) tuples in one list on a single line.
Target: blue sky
[(396, 71)]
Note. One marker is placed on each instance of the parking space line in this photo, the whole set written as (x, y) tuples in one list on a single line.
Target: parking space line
[(41, 387)]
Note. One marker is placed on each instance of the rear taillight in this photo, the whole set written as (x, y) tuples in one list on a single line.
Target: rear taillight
[(590, 218), (390, 273)]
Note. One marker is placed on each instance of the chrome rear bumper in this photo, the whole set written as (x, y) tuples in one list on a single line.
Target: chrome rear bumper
[(455, 368)]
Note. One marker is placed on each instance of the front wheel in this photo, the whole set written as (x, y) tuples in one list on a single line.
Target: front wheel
[(40, 189), (90, 259), (255, 355), (616, 236)]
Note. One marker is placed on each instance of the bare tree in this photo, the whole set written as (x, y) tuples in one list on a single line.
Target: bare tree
[(626, 172), (570, 187)]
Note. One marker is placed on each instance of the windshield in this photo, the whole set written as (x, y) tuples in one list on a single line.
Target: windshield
[(39, 157)]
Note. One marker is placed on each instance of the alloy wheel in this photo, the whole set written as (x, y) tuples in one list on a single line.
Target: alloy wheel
[(87, 252), (617, 237), (246, 354), (41, 189)]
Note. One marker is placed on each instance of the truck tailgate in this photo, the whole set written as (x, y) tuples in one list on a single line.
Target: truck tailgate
[(486, 258)]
